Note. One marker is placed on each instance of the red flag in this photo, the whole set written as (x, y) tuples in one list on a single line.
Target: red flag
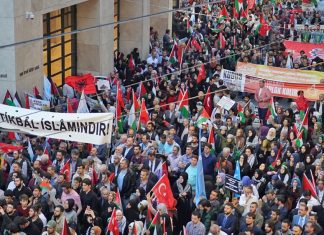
[(221, 41), (202, 74), (8, 147), (84, 83), (235, 13), (113, 223), (164, 169), (111, 177), (185, 232), (27, 102), (144, 115), (134, 228), (120, 96), (250, 4), (131, 63), (54, 89), (36, 92), (163, 192), (143, 91), (135, 101), (69, 105), (66, 170), (65, 229), (94, 178), (307, 185), (196, 44), (208, 102)]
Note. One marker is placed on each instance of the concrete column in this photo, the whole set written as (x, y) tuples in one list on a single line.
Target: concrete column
[(164, 21), (21, 66), (95, 46), (135, 33)]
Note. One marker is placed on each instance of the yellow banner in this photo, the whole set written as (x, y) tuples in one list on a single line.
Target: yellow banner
[(280, 74)]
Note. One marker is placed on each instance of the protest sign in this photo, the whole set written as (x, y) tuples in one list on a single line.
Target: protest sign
[(312, 50), (233, 81), (38, 104), (103, 85), (226, 103), (281, 89), (93, 128), (280, 74), (233, 184)]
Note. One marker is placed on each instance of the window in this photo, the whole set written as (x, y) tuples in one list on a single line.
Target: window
[(59, 53)]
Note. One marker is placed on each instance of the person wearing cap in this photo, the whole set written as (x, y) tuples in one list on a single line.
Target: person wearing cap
[(50, 228)]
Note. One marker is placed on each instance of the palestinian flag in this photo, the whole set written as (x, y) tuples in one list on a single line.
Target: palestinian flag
[(243, 16), (211, 140), (235, 13), (16, 100), (8, 99), (221, 41), (240, 113), (189, 27), (308, 185), (263, 28), (155, 222), (180, 54), (132, 114), (173, 54), (202, 74), (304, 117), (204, 117), (271, 109), (299, 140), (238, 5), (184, 105), (118, 200), (223, 15), (144, 116)]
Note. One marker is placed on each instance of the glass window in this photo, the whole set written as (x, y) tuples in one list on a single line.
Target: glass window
[(59, 53)]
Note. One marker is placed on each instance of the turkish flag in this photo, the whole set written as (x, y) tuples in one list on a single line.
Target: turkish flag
[(113, 223), (65, 230), (8, 147), (66, 170), (84, 83), (162, 191)]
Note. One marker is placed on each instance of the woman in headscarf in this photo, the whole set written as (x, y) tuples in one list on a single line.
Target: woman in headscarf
[(135, 228), (303, 152), (259, 181), (69, 212), (244, 165), (316, 133), (131, 212), (283, 174), (182, 192), (252, 139), (295, 191), (266, 143), (220, 186)]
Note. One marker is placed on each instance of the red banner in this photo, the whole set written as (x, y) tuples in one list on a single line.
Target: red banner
[(9, 147), (84, 83), (285, 89), (312, 50)]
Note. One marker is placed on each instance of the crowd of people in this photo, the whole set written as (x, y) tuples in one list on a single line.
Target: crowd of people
[(278, 156)]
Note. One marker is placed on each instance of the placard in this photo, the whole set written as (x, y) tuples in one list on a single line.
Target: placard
[(233, 184), (226, 103)]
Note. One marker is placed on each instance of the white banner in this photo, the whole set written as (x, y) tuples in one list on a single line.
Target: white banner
[(93, 128), (38, 104), (233, 80), (226, 103)]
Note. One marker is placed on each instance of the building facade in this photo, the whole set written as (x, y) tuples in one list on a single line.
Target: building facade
[(36, 39)]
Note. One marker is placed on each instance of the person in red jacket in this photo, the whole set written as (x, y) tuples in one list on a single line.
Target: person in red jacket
[(301, 101)]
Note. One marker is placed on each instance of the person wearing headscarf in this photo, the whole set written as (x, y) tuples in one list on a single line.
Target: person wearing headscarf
[(294, 191), (220, 186), (266, 143), (135, 228), (252, 138), (283, 174), (316, 133), (69, 212), (259, 181), (182, 192), (131, 212)]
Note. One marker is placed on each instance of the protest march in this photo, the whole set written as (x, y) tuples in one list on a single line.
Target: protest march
[(219, 130)]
